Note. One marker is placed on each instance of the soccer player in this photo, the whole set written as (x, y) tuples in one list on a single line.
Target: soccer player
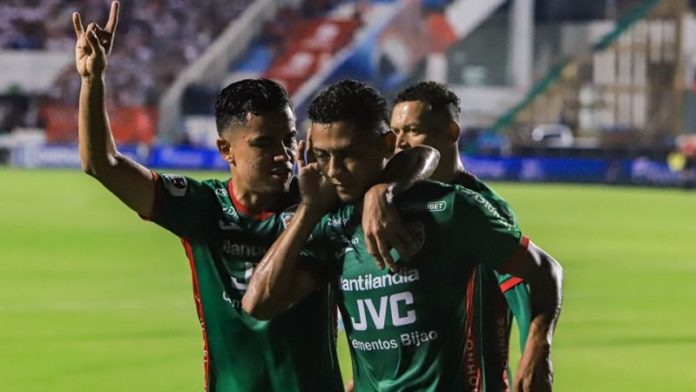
[(225, 226), (427, 113), (406, 330)]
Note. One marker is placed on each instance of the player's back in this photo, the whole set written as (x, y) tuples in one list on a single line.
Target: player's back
[(293, 352), (407, 330)]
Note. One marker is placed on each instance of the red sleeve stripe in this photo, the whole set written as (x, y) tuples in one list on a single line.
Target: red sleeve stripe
[(199, 310), (510, 283), (470, 367), (524, 243)]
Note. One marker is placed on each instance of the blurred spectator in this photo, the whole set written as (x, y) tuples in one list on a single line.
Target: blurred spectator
[(157, 38)]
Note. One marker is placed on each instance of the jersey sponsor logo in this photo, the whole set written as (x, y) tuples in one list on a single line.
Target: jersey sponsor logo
[(222, 192), (372, 345), (372, 282), (237, 304), (417, 232), (337, 221), (176, 185), (388, 305), (423, 206), (229, 226), (242, 282), (415, 338), (230, 211), (243, 250), (492, 210)]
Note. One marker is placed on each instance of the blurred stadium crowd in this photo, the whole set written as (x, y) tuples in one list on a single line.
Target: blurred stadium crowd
[(565, 113), (157, 39)]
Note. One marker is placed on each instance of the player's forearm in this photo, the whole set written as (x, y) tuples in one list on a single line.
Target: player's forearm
[(97, 148), (128, 180), (409, 166), (277, 281)]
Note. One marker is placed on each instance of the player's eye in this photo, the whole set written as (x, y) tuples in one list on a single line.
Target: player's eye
[(321, 155), (261, 143)]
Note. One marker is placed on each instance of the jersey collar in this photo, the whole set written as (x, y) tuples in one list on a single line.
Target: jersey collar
[(262, 216)]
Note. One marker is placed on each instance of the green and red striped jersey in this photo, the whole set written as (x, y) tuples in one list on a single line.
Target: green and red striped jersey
[(408, 330), (293, 352), (494, 300)]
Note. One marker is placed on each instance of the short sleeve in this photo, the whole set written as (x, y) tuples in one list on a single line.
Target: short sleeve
[(484, 234), (183, 205), (327, 243)]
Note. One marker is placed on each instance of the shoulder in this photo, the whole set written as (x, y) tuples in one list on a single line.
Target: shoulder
[(427, 196), (426, 190), (179, 185)]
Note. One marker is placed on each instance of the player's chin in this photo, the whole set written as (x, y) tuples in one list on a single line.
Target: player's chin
[(277, 184), (346, 196)]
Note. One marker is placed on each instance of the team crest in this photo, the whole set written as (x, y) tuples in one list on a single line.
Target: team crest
[(176, 185), (286, 217), (417, 232)]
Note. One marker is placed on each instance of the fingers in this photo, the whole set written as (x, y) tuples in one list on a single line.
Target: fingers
[(300, 154), (310, 152), (92, 39), (105, 38), (373, 251), (77, 24), (113, 18), (384, 254)]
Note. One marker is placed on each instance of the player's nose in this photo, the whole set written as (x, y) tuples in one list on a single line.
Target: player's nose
[(401, 142)]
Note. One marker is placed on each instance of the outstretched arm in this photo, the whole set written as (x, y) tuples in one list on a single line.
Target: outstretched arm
[(545, 278), (128, 180)]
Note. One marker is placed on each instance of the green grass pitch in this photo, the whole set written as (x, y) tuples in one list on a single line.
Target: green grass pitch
[(92, 298)]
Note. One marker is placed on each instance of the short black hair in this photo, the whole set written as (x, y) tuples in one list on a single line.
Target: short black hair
[(437, 95), (351, 101), (248, 96)]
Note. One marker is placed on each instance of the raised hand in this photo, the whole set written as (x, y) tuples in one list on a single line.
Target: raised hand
[(317, 193), (94, 44)]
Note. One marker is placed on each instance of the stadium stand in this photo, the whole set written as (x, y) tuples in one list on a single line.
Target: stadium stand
[(147, 54)]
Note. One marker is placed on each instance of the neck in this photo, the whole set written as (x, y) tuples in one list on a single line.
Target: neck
[(450, 165), (254, 202)]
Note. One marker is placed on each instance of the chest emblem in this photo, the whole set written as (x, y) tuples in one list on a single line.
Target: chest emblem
[(417, 232)]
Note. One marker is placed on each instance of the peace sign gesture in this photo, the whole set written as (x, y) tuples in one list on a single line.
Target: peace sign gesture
[(94, 44)]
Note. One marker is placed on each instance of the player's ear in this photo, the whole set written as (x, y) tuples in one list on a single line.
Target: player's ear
[(453, 130), (388, 144), (225, 149)]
